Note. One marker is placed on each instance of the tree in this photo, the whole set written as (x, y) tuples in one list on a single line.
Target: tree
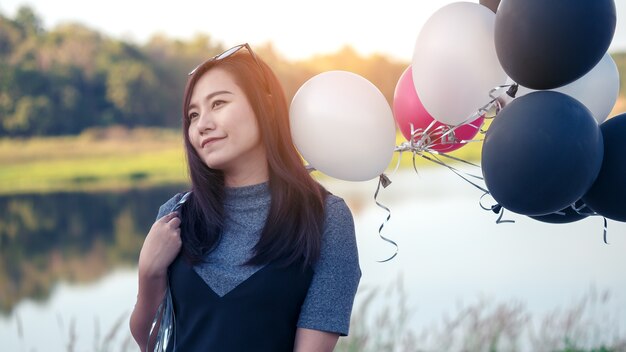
[(28, 21), (10, 36), (133, 89), (33, 115)]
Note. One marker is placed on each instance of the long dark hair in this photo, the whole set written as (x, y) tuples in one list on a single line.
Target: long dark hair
[(292, 232)]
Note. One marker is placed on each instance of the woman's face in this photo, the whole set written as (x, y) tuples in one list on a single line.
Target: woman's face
[(223, 128)]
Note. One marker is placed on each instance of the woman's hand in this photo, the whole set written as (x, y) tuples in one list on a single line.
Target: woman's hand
[(160, 246)]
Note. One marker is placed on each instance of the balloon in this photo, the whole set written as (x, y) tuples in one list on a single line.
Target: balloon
[(607, 196), (541, 153), (408, 110), (546, 44), (491, 4), (597, 90), (455, 63), (567, 215), (343, 126)]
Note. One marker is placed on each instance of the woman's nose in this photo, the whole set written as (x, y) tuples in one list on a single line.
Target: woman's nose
[(205, 123)]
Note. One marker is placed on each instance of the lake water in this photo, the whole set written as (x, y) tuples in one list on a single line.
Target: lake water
[(72, 277)]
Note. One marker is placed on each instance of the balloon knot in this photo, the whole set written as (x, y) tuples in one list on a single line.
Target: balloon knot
[(496, 208), (512, 91)]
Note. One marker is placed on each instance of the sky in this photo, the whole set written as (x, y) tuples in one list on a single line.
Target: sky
[(298, 29)]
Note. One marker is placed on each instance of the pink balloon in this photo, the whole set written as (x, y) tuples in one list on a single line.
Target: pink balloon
[(408, 109)]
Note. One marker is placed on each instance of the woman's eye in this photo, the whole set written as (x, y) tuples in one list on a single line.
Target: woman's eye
[(217, 103), (193, 115)]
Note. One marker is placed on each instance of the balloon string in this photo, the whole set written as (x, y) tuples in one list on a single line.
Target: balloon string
[(397, 163), (494, 102), (460, 160), (497, 208), (384, 181), (435, 160), (424, 140)]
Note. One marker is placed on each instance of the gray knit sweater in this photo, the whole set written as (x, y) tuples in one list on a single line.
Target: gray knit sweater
[(329, 301)]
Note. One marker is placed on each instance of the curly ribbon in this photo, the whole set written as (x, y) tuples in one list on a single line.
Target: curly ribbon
[(580, 211), (605, 229), (496, 208), (384, 181)]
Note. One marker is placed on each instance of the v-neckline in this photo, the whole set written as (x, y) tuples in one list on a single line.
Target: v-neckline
[(241, 284)]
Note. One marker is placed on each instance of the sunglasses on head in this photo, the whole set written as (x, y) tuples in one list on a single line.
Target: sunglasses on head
[(228, 53)]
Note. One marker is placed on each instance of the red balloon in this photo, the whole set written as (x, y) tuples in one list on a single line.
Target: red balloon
[(408, 109)]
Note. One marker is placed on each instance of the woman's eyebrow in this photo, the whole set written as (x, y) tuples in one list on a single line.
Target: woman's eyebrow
[(209, 96)]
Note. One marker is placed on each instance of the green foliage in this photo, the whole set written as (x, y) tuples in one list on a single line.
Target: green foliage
[(71, 78), (28, 114)]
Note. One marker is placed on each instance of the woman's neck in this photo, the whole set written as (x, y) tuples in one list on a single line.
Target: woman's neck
[(251, 176)]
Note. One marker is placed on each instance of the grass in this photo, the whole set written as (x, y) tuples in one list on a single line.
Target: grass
[(586, 325), (95, 160)]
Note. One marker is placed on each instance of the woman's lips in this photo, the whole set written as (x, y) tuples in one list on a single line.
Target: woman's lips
[(210, 140)]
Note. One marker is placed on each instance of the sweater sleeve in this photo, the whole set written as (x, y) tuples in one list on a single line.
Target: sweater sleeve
[(329, 301)]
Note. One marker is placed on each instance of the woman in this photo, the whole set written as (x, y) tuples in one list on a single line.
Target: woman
[(260, 257)]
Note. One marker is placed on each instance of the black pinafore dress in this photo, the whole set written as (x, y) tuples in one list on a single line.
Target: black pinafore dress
[(260, 314)]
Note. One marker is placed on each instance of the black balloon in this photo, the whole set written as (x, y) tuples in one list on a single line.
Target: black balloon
[(547, 44), (573, 213), (607, 195), (541, 153), (491, 4)]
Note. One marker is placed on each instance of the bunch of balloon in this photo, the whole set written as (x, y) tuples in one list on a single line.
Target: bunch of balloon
[(419, 128), (545, 154), (343, 126)]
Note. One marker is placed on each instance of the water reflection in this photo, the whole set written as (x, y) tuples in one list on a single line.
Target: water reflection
[(74, 237), (452, 253)]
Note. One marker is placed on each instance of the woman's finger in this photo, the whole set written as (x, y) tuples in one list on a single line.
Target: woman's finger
[(174, 223), (166, 218)]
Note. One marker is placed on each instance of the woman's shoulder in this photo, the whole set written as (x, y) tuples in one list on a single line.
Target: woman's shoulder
[(336, 211), (169, 205), (332, 199), (338, 237)]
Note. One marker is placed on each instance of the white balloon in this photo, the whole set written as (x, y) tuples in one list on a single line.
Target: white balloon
[(455, 64), (343, 126), (598, 89)]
